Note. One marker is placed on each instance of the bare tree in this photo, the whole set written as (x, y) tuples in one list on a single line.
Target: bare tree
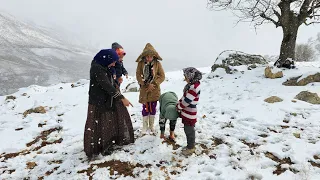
[(287, 14), (305, 52)]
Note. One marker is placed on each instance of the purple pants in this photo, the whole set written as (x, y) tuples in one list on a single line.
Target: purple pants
[(149, 108)]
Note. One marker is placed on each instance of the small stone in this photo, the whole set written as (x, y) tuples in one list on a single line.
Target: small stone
[(297, 135), (294, 114), (10, 97), (253, 66), (286, 121), (31, 165), (273, 99)]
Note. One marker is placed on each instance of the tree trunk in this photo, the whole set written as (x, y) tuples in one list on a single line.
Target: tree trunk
[(288, 44), (290, 24)]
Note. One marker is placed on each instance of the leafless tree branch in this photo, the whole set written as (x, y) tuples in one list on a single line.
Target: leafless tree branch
[(310, 23), (276, 23)]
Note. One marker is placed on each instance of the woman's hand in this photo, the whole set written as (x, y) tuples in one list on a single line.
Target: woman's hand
[(120, 80), (150, 87), (126, 102)]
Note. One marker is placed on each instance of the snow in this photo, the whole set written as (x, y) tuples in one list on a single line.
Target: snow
[(231, 108)]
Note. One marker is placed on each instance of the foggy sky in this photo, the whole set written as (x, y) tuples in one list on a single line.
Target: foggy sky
[(184, 32)]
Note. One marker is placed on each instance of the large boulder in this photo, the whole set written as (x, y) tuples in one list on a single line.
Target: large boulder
[(269, 74), (302, 82), (236, 58), (309, 97)]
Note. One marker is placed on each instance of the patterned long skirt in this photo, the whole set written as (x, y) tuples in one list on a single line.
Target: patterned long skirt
[(103, 130)]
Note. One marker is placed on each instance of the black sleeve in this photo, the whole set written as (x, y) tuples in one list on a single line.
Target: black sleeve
[(105, 83), (124, 71)]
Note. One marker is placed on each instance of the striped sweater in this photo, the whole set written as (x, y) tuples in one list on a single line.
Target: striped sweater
[(188, 105)]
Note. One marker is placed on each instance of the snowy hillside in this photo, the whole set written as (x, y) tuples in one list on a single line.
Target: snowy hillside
[(238, 135), (32, 55)]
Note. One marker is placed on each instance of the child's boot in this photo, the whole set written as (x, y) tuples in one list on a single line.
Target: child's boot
[(172, 137), (151, 123), (162, 136), (145, 121)]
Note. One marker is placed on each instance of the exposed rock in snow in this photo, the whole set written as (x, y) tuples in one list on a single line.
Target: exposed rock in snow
[(302, 81), (273, 99), (269, 74), (309, 97)]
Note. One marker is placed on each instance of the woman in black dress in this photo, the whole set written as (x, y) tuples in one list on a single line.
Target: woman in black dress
[(108, 121)]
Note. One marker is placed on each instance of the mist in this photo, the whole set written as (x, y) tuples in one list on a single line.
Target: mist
[(184, 32)]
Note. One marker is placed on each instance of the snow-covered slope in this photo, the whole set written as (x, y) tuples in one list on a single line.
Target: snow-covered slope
[(238, 135), (32, 55)]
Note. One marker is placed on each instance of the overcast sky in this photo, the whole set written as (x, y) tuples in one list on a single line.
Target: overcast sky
[(182, 31)]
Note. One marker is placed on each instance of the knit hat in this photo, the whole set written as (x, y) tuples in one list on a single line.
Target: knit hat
[(149, 50), (106, 56), (171, 112), (192, 74), (116, 45)]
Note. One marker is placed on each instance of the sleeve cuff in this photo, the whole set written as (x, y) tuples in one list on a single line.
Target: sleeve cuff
[(118, 95)]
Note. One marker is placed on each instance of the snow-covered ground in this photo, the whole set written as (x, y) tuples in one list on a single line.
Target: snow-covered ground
[(238, 135)]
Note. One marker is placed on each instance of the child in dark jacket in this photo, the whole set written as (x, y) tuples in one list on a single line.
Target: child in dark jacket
[(187, 106), (119, 68), (168, 111)]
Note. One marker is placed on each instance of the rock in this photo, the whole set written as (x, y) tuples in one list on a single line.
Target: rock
[(309, 97), (269, 74), (226, 67), (273, 99), (31, 165), (292, 81), (294, 101), (253, 66), (297, 135), (10, 97), (39, 109), (237, 58), (307, 80), (132, 87), (77, 84), (24, 94), (286, 121), (294, 114)]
